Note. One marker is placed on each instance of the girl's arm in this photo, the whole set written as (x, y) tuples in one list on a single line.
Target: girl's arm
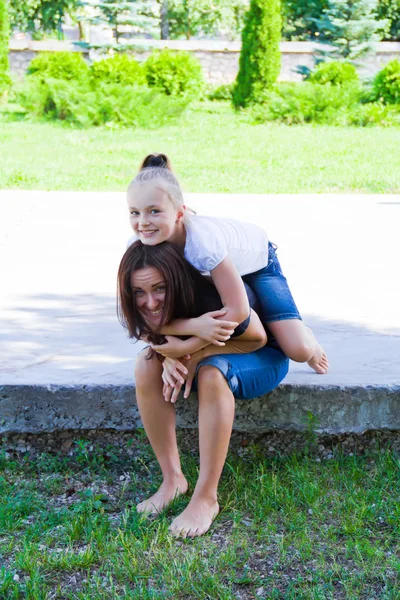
[(252, 339), (236, 308)]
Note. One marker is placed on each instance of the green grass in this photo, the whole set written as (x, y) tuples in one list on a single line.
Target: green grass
[(291, 528), (212, 150)]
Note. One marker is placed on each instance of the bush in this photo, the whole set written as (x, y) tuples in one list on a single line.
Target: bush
[(108, 104), (120, 68), (222, 92), (298, 103), (387, 83), (176, 73), (260, 58), (375, 113), (334, 73), (70, 66)]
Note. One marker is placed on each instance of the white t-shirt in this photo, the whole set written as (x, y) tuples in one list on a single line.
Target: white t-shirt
[(210, 239)]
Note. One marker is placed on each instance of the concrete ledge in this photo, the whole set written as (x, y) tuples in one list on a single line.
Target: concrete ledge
[(36, 409)]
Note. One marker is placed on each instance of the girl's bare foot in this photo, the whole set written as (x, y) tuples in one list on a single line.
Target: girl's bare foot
[(319, 360), (196, 519), (163, 497)]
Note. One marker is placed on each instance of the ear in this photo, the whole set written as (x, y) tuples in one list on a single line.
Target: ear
[(180, 214)]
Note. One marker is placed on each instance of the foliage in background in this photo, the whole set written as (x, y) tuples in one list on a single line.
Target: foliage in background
[(349, 28), (299, 18), (70, 66), (189, 18), (106, 104), (389, 10), (5, 80), (120, 68), (40, 16), (334, 73), (221, 92), (299, 103), (177, 73), (260, 58), (117, 14), (386, 84)]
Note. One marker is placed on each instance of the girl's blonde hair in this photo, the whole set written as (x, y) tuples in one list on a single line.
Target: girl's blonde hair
[(156, 170)]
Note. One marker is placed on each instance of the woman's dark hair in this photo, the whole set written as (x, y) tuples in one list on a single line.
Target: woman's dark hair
[(156, 160), (183, 285)]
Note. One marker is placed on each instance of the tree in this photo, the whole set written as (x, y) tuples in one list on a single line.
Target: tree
[(260, 58), (38, 16), (117, 14), (189, 18), (390, 10), (299, 18), (4, 37), (350, 28)]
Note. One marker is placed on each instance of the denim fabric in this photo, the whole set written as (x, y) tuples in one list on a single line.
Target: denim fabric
[(272, 290), (249, 375)]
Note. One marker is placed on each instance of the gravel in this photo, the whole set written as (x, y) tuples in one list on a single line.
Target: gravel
[(275, 443)]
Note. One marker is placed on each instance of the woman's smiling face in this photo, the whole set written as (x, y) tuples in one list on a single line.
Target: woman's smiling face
[(149, 290)]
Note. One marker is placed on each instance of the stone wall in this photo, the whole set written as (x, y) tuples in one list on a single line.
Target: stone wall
[(219, 59)]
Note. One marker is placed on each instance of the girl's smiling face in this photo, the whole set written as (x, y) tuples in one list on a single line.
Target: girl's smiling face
[(152, 215), (149, 290)]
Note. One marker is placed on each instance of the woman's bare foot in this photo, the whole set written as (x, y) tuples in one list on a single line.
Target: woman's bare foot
[(319, 360), (163, 497), (196, 519)]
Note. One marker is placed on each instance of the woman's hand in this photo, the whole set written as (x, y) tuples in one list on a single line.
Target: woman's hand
[(215, 331), (174, 347)]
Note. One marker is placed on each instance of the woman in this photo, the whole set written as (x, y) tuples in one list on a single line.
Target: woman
[(155, 286)]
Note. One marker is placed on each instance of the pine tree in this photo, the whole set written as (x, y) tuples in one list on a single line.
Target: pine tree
[(260, 58), (4, 37), (350, 27)]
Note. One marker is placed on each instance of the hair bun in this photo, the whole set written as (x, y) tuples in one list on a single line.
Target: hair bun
[(156, 160)]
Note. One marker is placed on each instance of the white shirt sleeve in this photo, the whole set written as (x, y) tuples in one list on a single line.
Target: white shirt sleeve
[(205, 247)]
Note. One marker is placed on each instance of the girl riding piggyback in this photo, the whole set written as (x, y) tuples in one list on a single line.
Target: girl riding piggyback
[(230, 252)]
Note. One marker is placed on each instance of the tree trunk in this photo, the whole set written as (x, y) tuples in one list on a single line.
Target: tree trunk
[(164, 23)]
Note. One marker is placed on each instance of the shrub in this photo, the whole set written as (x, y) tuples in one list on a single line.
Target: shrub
[(374, 113), (120, 68), (387, 83), (176, 73), (260, 58), (297, 103), (108, 104), (334, 73), (4, 35), (70, 66), (222, 92)]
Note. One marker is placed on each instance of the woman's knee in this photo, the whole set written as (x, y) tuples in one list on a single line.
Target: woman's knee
[(147, 371), (210, 377)]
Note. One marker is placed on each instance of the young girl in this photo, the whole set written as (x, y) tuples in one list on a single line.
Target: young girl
[(227, 250)]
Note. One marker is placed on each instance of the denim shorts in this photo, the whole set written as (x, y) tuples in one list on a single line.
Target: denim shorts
[(272, 291), (249, 375)]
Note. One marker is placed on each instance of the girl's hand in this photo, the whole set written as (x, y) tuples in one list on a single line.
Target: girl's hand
[(174, 371), (215, 331), (174, 348)]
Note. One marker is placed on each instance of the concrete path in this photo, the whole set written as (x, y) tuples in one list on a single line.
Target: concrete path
[(59, 254)]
